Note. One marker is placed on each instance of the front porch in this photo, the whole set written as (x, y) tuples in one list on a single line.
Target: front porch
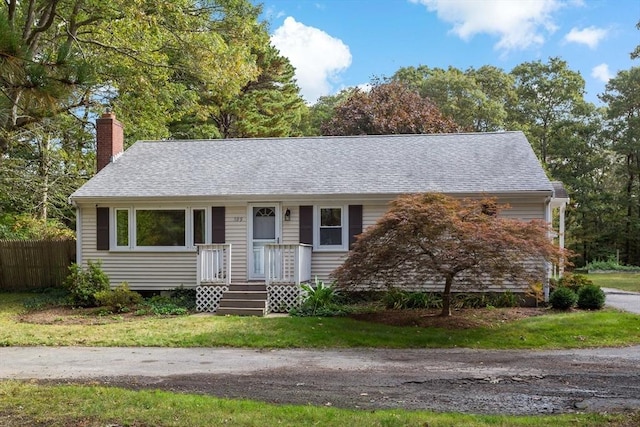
[(285, 267)]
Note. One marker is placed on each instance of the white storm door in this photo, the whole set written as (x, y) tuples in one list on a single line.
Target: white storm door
[(264, 228)]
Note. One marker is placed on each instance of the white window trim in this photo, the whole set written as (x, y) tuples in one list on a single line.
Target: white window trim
[(345, 229), (189, 229)]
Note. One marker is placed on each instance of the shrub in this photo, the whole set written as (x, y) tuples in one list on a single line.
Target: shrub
[(184, 297), (120, 299), (610, 265), (573, 281), (591, 297), (83, 284), (563, 298), (318, 300)]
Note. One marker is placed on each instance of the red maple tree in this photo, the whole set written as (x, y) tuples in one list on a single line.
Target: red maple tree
[(430, 236)]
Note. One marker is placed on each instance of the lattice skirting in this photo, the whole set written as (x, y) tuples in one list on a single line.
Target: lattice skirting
[(208, 297), (282, 298)]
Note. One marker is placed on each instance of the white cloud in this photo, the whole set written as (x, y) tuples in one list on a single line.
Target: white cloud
[(317, 57), (590, 36), (601, 72), (518, 24)]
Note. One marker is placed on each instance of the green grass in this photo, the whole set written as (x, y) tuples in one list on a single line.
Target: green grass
[(556, 330), (624, 281), (64, 405)]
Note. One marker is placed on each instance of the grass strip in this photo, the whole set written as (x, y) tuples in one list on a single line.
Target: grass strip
[(63, 405)]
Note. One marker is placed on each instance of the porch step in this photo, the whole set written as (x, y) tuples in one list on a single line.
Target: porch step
[(243, 303), (244, 299)]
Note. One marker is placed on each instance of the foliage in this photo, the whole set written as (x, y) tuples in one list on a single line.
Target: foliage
[(120, 299), (622, 95), (397, 299), (26, 227), (49, 297), (535, 291), (388, 108), (162, 306), (610, 265), (184, 68), (591, 297), (572, 281), (429, 235), (318, 300), (477, 100), (184, 297), (83, 284), (563, 298)]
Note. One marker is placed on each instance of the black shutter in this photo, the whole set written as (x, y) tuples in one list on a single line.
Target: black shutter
[(306, 225), (355, 223), (102, 229), (217, 224)]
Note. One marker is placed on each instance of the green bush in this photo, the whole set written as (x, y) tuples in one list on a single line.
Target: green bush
[(591, 297), (572, 281), (184, 297), (119, 300), (84, 284), (563, 298), (319, 300)]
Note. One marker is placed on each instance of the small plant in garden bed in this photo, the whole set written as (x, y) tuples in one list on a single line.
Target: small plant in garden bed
[(319, 300), (591, 297)]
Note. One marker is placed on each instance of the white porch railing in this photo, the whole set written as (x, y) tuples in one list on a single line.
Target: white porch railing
[(287, 263), (214, 263)]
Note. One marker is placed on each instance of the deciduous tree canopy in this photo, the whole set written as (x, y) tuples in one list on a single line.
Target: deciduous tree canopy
[(427, 236), (388, 108)]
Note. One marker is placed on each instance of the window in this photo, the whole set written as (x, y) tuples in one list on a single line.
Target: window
[(122, 227), (330, 228), (141, 228), (160, 227), (199, 228)]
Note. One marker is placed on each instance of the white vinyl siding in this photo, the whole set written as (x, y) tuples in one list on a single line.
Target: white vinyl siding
[(236, 234), (148, 270), (141, 270)]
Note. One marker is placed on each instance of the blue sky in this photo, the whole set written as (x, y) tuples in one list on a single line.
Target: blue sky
[(336, 44)]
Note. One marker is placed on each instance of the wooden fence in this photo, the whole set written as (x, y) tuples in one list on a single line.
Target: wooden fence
[(31, 264)]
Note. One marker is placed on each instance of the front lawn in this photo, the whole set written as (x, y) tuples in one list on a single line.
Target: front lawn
[(576, 329), (23, 404), (624, 281)]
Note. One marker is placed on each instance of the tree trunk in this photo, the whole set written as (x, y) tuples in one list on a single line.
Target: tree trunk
[(446, 296)]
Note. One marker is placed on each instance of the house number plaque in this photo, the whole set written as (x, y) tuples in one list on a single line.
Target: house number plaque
[(238, 219)]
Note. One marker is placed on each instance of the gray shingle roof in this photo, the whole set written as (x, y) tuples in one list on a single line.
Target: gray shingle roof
[(451, 163)]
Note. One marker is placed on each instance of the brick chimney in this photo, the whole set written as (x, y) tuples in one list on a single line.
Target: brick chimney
[(109, 139)]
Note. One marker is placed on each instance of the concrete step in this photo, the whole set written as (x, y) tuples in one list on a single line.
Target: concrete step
[(240, 311), (245, 295), (243, 303)]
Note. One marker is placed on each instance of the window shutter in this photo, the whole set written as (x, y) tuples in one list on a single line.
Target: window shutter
[(306, 225), (217, 224), (355, 223), (102, 229)]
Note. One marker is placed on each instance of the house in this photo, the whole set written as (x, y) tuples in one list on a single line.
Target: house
[(216, 214)]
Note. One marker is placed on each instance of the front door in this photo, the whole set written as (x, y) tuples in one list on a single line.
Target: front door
[(264, 228)]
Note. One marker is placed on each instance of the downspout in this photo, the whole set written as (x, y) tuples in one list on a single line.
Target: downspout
[(561, 237)]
